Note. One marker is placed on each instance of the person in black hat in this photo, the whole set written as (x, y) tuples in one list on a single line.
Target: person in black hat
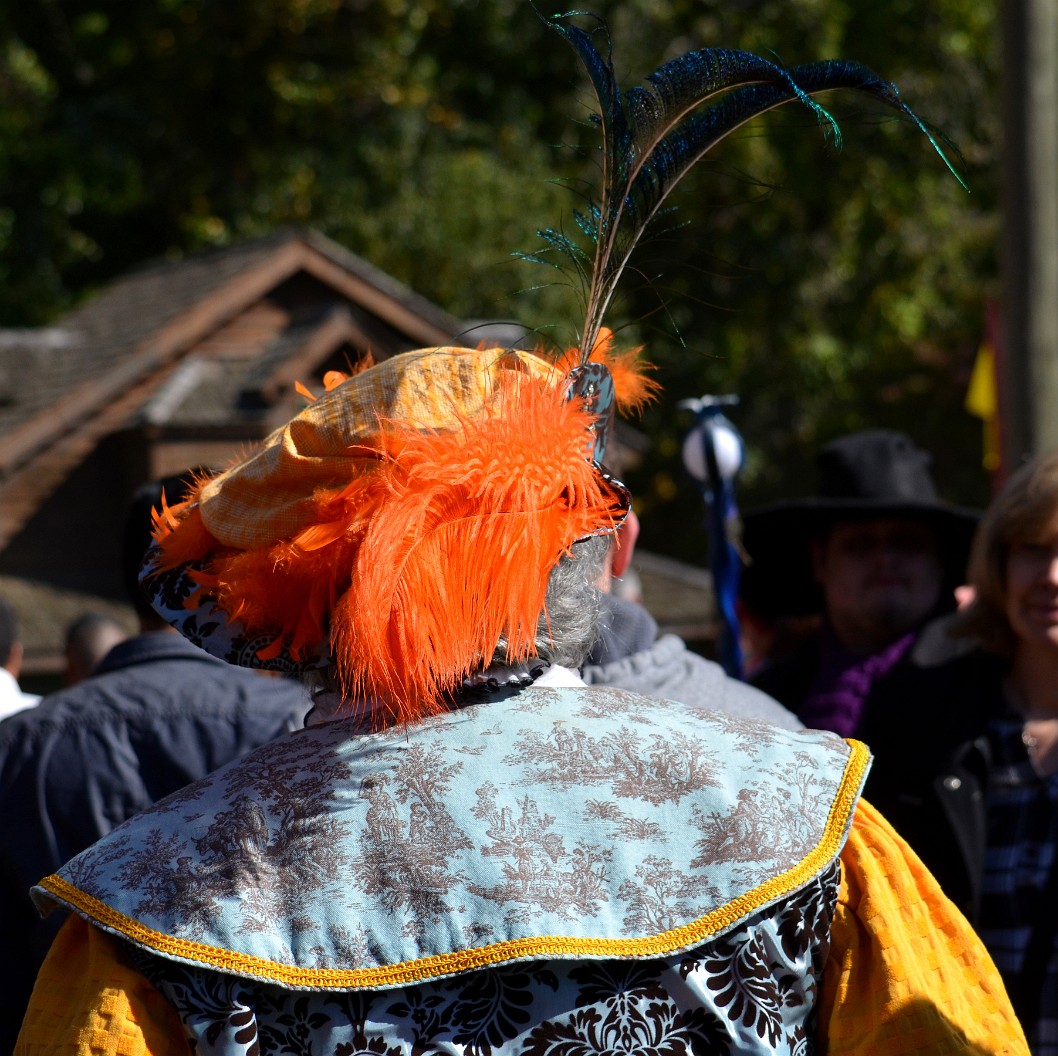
[(876, 555)]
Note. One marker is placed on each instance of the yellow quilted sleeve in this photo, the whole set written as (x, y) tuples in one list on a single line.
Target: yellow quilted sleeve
[(88, 1001), (907, 973)]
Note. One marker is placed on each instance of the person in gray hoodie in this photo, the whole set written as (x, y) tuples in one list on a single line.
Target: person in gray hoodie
[(630, 654)]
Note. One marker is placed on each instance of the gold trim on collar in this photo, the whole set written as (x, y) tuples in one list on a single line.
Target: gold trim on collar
[(543, 947)]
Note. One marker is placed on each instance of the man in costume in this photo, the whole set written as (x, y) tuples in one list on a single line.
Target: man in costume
[(468, 850), (876, 553)]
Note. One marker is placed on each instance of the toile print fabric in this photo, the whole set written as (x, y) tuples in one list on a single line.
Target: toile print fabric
[(558, 822), (754, 990)]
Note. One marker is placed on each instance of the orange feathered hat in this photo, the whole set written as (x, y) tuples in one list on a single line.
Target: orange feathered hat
[(399, 527)]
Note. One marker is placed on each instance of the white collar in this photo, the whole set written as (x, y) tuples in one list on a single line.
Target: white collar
[(12, 699), (561, 677)]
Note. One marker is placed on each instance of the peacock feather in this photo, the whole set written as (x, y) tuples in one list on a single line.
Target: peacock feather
[(653, 134)]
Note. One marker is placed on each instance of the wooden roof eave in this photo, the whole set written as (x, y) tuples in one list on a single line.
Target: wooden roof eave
[(421, 332), (337, 329), (24, 489), (152, 355)]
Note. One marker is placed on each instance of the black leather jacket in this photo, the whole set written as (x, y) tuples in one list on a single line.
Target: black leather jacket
[(924, 722)]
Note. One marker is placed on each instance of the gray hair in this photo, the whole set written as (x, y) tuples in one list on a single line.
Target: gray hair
[(569, 625)]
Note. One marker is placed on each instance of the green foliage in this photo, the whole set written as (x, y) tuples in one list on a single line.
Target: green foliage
[(830, 291)]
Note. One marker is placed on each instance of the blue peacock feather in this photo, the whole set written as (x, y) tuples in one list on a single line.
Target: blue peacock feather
[(653, 134)]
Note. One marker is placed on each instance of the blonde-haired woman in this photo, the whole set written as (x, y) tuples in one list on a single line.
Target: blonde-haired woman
[(966, 745)]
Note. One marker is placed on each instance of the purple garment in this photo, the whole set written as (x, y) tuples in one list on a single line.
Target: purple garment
[(839, 691)]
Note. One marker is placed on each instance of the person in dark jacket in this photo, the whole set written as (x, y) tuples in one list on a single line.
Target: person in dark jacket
[(88, 639), (965, 738), (157, 714), (876, 555)]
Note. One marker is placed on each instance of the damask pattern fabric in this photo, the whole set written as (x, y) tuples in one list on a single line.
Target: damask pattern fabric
[(179, 600), (560, 872), (906, 975), (754, 990)]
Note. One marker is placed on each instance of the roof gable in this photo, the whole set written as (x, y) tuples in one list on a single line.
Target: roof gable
[(251, 316)]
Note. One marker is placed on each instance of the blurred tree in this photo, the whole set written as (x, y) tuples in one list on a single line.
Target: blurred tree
[(128, 131), (829, 290)]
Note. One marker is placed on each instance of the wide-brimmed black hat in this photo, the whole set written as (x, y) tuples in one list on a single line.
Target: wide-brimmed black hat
[(873, 473)]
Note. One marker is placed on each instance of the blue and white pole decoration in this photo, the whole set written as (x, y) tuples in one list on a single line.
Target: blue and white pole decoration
[(713, 453)]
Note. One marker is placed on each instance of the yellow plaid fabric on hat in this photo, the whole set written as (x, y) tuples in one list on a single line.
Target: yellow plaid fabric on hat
[(269, 496)]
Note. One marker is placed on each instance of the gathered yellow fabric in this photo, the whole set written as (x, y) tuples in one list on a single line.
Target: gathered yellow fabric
[(89, 1002), (270, 495), (907, 974)]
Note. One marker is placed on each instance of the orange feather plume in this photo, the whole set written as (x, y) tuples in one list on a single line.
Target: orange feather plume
[(439, 548), (179, 532)]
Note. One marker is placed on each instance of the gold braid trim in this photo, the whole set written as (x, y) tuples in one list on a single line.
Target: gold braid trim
[(536, 947)]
